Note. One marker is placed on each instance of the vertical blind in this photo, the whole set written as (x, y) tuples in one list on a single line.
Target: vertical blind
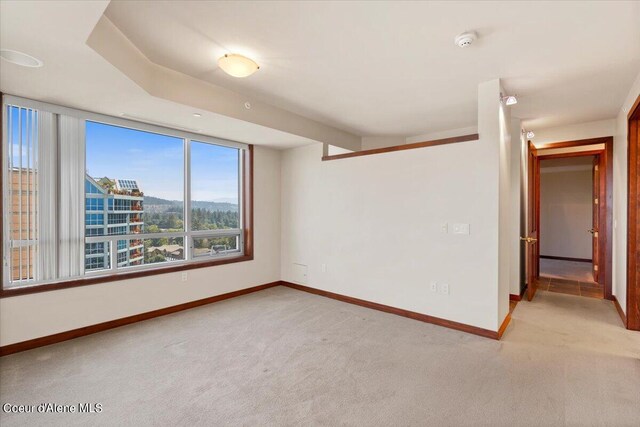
[(47, 264), (21, 153), (71, 203), (45, 199)]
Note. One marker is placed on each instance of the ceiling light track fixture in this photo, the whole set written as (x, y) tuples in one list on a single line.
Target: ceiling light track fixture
[(237, 65), (508, 99)]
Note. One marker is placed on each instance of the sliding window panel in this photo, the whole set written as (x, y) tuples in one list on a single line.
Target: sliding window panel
[(212, 246), (160, 250), (215, 187)]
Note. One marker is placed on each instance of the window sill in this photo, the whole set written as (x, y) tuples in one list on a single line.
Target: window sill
[(11, 292)]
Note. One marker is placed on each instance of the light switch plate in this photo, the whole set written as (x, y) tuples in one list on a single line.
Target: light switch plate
[(460, 228)]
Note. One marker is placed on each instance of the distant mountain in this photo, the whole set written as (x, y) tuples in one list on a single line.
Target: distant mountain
[(197, 204), (233, 201)]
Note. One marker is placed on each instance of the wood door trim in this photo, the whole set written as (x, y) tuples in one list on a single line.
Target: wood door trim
[(423, 144), (574, 143), (92, 329), (532, 226), (633, 205), (566, 155), (496, 335), (566, 258), (606, 206)]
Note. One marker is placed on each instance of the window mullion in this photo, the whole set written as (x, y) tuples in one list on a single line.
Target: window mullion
[(188, 241)]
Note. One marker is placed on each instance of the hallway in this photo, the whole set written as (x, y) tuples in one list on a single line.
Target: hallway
[(570, 270)]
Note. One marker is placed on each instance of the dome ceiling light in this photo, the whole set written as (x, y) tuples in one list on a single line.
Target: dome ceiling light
[(237, 65)]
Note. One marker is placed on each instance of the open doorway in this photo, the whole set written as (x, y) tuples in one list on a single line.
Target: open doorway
[(569, 226)]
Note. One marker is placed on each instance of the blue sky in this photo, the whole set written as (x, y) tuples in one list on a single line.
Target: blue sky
[(157, 163)]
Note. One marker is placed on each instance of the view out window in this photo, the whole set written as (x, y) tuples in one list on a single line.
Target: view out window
[(148, 197), (139, 179)]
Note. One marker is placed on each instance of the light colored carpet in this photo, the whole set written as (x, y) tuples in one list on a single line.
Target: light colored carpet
[(284, 357), (570, 270)]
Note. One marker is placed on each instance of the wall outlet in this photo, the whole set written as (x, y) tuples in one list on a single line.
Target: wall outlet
[(444, 228), (444, 288), (323, 268), (434, 286), (185, 276)]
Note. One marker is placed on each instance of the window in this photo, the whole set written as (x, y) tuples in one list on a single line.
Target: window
[(21, 178), (215, 187), (93, 204), (150, 197)]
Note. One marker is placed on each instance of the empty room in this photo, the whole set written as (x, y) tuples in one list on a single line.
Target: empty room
[(363, 213)]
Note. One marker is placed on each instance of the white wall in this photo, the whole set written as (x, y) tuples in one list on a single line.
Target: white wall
[(505, 217), (566, 213), (515, 245), (576, 131), (375, 223), (67, 309), (449, 133), (371, 142), (620, 159)]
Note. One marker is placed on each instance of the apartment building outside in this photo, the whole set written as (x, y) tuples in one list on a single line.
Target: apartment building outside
[(22, 182), (113, 207)]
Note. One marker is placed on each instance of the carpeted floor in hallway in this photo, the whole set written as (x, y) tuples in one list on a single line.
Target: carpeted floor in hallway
[(284, 357)]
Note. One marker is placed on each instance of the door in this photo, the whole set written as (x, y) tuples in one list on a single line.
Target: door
[(595, 252), (531, 239)]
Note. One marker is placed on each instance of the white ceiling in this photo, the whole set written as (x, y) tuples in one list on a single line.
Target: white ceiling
[(370, 68), (75, 75), (391, 68)]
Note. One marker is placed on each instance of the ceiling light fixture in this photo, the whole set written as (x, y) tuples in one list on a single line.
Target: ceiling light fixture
[(530, 134), (197, 115), (20, 58), (508, 99), (465, 39), (237, 65)]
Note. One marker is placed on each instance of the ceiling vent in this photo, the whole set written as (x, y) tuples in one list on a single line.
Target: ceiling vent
[(465, 39)]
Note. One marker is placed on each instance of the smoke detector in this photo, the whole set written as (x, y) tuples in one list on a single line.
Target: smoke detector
[(465, 39)]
